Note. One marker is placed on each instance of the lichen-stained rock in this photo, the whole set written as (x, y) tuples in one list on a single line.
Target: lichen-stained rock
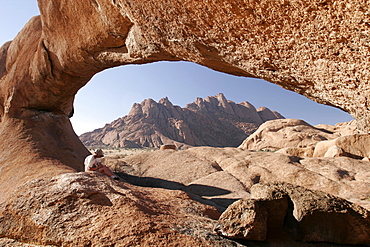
[(308, 216), (244, 219), (316, 48)]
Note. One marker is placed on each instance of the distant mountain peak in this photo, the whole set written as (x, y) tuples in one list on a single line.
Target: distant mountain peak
[(214, 121)]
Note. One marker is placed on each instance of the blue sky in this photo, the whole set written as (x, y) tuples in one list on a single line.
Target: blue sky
[(111, 93)]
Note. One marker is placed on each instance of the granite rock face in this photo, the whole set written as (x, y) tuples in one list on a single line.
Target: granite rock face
[(88, 209), (220, 176), (319, 49), (283, 133), (355, 146), (295, 212), (298, 138), (214, 121)]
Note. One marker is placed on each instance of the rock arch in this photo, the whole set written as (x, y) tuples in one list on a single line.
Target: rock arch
[(316, 48)]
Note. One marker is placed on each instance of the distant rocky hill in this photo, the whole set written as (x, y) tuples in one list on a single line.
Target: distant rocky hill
[(214, 121)]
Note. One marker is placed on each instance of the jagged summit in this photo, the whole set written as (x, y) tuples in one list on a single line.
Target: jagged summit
[(214, 121)]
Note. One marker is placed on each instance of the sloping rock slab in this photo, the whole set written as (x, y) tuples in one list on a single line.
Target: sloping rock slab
[(342, 176), (305, 215), (88, 209)]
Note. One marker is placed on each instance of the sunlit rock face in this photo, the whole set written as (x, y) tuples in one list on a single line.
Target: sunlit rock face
[(214, 121), (317, 48)]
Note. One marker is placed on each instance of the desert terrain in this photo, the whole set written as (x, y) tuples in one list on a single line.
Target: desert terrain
[(200, 196)]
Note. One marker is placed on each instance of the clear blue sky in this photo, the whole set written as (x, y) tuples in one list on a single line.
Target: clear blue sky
[(111, 93)]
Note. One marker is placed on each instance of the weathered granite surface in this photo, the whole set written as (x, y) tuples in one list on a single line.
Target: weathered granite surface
[(317, 48)]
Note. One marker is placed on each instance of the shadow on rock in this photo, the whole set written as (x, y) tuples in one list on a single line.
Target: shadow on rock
[(197, 192), (100, 199)]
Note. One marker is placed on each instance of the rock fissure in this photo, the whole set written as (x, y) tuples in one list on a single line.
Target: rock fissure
[(49, 60)]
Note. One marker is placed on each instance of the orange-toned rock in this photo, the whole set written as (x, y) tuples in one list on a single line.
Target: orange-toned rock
[(316, 48), (89, 209), (295, 44)]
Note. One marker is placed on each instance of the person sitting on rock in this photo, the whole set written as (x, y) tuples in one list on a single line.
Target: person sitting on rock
[(92, 163)]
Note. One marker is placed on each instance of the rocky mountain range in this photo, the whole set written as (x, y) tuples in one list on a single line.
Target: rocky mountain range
[(214, 121)]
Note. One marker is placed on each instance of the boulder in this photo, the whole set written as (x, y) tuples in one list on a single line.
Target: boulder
[(354, 146), (245, 219), (281, 133), (334, 151), (342, 129), (322, 147), (296, 137), (305, 215), (89, 209)]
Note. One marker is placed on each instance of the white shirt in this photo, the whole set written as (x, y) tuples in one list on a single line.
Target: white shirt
[(91, 162)]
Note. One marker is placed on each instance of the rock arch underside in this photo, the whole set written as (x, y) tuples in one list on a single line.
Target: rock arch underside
[(317, 48)]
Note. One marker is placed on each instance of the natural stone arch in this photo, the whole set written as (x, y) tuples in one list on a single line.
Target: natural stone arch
[(316, 48)]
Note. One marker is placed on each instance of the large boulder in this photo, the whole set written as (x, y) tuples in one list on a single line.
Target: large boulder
[(342, 129), (291, 211), (88, 209), (354, 146), (282, 133), (322, 147), (297, 138)]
